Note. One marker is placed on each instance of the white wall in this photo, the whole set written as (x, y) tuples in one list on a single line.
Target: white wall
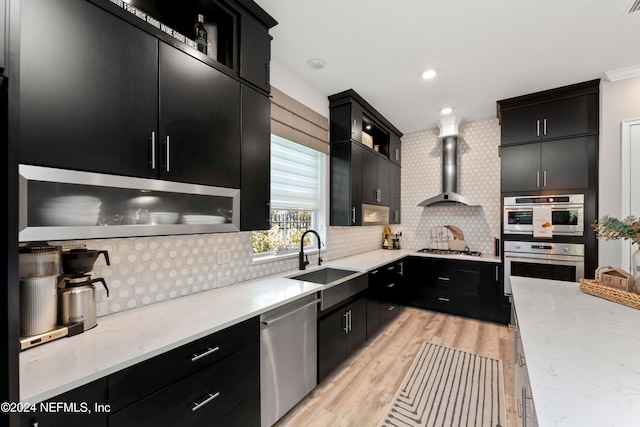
[(286, 81), (619, 101)]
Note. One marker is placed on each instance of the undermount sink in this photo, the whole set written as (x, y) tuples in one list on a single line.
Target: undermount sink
[(324, 276)]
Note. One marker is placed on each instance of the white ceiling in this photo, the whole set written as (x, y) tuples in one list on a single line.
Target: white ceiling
[(484, 51)]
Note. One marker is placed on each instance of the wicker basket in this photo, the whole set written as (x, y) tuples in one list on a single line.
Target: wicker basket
[(593, 287)]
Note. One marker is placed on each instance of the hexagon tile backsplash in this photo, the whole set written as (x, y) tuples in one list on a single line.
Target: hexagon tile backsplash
[(148, 270)]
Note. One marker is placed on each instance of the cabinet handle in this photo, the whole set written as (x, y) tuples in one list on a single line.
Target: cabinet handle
[(396, 216), (353, 215), (538, 127), (374, 272), (266, 74), (153, 150), (391, 285), (378, 195), (537, 178), (167, 145), (544, 127), (519, 405), (446, 279), (350, 320), (544, 178), (497, 273), (205, 353), (391, 267), (443, 299), (524, 407), (391, 307), (346, 322), (397, 154), (268, 212), (353, 128), (521, 362), (208, 398), (401, 272)]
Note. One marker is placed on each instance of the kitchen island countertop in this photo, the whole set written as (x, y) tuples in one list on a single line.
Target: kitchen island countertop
[(582, 354), (123, 339)]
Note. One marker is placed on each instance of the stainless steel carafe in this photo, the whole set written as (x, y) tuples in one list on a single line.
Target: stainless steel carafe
[(39, 267), (77, 300)]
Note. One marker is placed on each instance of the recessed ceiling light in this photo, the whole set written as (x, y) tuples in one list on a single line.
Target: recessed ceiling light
[(446, 110), (316, 63), (429, 74)]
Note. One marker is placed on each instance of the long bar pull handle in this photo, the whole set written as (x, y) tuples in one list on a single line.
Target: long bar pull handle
[(391, 307), (446, 279), (537, 178), (443, 299), (346, 322), (401, 272), (544, 179), (350, 320), (205, 353), (167, 145), (538, 127), (153, 150), (544, 127), (353, 215), (378, 195), (497, 275), (209, 398), (353, 128), (524, 407), (391, 285)]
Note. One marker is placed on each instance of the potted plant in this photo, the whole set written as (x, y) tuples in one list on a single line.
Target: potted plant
[(627, 229)]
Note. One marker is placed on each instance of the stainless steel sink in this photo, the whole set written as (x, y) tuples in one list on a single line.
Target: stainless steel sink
[(324, 276), (339, 284)]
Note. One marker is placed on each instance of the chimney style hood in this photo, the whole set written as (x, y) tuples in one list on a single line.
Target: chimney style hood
[(449, 134)]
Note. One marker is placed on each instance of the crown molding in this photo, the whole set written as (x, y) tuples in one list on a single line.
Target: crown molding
[(622, 73)]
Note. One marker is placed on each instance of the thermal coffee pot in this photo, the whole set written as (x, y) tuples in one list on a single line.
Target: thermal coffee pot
[(77, 300)]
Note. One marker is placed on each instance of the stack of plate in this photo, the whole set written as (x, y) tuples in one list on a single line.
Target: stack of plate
[(71, 211), (202, 219)]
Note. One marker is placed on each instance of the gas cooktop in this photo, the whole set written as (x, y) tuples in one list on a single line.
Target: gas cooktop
[(449, 252)]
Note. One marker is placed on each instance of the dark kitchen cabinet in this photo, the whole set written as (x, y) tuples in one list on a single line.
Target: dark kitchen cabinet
[(216, 374), (550, 165), (387, 289), (199, 122), (86, 405), (255, 172), (563, 118), (494, 305), (346, 122), (340, 333), (394, 194), (375, 179), (346, 183), (394, 148), (88, 97), (255, 53)]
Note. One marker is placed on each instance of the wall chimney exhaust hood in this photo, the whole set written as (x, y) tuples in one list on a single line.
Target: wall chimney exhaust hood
[(449, 135)]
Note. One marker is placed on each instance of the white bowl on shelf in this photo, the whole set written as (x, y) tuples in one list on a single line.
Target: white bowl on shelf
[(69, 220), (164, 217), (203, 219)]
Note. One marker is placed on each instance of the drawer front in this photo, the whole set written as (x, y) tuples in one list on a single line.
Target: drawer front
[(138, 381), (458, 280), (448, 301), (200, 398), (388, 312)]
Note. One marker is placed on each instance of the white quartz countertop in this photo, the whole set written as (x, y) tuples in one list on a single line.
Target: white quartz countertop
[(582, 354), (123, 339)]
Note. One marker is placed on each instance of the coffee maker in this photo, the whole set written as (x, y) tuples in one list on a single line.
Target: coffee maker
[(76, 290), (39, 269)]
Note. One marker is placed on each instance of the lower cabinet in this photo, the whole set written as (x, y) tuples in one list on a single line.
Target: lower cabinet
[(212, 381), (84, 406), (522, 386), (340, 333), (386, 296)]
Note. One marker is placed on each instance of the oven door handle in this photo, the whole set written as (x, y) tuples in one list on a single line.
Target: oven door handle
[(574, 259)]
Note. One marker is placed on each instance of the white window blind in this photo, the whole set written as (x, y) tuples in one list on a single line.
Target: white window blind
[(295, 176)]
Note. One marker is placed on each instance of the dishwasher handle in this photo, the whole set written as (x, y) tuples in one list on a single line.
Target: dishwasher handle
[(277, 319)]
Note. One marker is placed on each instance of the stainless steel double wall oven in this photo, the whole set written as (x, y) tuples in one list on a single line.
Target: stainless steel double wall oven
[(561, 257)]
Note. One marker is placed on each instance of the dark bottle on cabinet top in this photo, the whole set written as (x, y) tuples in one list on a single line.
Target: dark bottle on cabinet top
[(201, 35)]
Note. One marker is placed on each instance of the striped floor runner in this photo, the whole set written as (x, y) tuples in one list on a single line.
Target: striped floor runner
[(449, 387)]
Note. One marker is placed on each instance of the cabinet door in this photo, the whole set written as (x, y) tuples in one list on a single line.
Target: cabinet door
[(357, 334), (384, 183), (332, 345), (346, 184), (394, 148), (491, 293), (520, 167), (88, 93), (255, 53), (373, 314), (369, 177), (93, 395), (356, 122), (569, 117), (199, 122), (520, 125), (565, 163), (394, 194), (255, 173)]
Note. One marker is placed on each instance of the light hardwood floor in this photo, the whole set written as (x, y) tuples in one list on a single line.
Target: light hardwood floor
[(359, 391)]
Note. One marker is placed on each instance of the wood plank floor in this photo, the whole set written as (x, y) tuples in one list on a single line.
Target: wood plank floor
[(359, 391)]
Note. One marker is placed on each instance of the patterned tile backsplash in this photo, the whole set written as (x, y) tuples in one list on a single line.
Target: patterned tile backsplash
[(148, 270)]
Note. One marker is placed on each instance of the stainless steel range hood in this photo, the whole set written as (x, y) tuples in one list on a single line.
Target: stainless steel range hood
[(449, 134)]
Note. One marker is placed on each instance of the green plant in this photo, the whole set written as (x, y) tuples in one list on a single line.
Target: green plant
[(612, 228)]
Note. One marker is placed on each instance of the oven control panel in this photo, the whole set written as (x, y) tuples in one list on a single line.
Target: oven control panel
[(574, 249)]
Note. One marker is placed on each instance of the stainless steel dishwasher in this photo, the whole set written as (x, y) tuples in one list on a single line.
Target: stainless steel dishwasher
[(288, 356)]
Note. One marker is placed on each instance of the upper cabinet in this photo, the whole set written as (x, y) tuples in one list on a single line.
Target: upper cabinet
[(365, 163), (560, 113), (123, 89)]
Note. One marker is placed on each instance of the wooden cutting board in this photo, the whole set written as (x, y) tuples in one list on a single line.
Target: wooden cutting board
[(438, 237)]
